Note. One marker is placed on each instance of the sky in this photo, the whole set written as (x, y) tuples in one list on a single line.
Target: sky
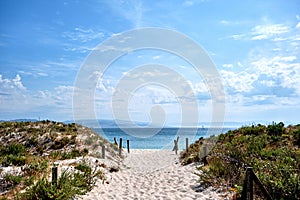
[(253, 44)]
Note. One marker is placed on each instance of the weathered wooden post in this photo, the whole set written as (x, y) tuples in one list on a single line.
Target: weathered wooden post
[(250, 184), (115, 141), (176, 145), (247, 192), (54, 174), (128, 146), (103, 151), (187, 144), (120, 147)]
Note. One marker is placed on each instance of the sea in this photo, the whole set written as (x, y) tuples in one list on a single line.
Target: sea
[(155, 138)]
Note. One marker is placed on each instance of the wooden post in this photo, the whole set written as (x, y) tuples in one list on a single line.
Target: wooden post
[(115, 141), (54, 174), (120, 147), (187, 144), (128, 146), (247, 192), (176, 145), (103, 151), (250, 184)]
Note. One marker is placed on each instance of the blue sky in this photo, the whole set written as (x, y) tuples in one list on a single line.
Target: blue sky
[(254, 45)]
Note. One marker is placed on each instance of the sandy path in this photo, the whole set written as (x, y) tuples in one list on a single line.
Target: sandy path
[(151, 174)]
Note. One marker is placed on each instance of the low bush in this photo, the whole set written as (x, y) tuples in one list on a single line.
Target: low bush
[(271, 151), (13, 149), (12, 180), (67, 187), (59, 144), (44, 189)]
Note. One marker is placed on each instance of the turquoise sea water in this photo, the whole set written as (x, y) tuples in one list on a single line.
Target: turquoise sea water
[(151, 138)]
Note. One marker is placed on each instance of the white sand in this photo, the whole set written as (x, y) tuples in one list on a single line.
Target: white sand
[(151, 174)]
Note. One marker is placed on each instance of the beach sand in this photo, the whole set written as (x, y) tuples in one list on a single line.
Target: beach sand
[(152, 174)]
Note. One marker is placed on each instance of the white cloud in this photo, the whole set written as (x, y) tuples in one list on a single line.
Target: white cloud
[(284, 68), (267, 31), (199, 87), (156, 57), (42, 74), (13, 94), (238, 36), (268, 83), (275, 32), (11, 84), (17, 82), (25, 72), (83, 35), (239, 82), (225, 22), (228, 65), (259, 37), (298, 25), (188, 3), (16, 99)]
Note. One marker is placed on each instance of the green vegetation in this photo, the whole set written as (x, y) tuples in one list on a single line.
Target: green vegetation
[(193, 154), (12, 180), (273, 152), (67, 187), (12, 154), (32, 147)]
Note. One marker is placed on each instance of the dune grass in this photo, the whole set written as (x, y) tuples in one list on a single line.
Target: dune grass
[(273, 152), (33, 147)]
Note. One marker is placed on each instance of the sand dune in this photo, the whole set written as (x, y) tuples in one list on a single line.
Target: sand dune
[(152, 174)]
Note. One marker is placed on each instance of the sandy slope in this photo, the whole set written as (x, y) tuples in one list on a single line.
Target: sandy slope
[(151, 174)]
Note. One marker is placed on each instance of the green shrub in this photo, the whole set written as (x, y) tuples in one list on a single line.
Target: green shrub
[(44, 189), (74, 153), (28, 181), (16, 160), (13, 149), (69, 155), (253, 130), (13, 154), (67, 187), (31, 142), (12, 180), (276, 129), (55, 155), (275, 159), (36, 167), (88, 176), (193, 153), (297, 137), (59, 144), (83, 167)]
